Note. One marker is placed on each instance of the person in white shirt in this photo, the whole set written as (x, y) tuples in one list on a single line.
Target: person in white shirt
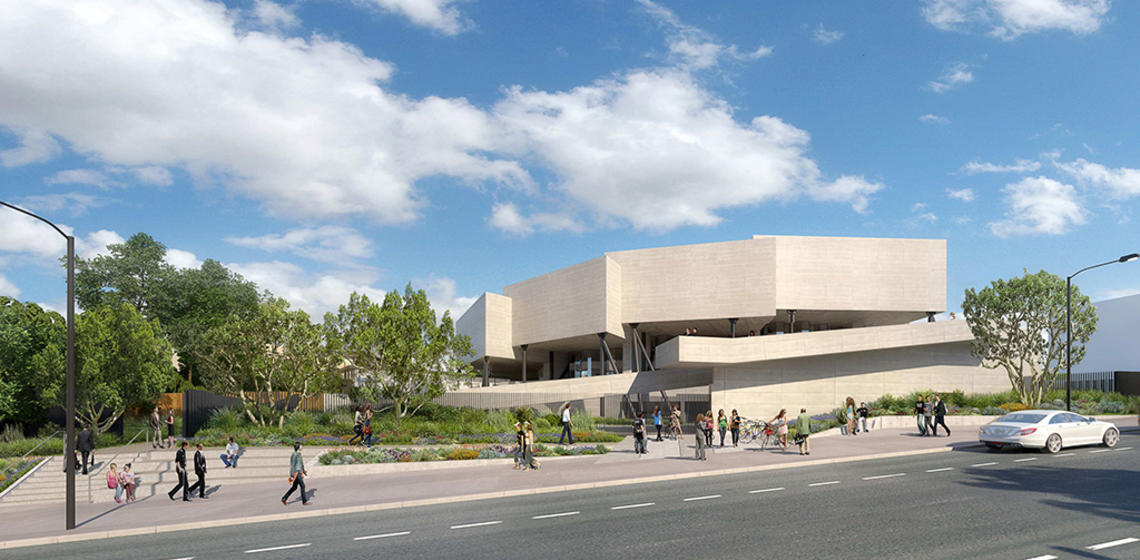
[(230, 457), (566, 425)]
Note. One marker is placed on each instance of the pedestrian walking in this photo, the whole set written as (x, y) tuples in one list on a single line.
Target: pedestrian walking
[(861, 413), (927, 417), (520, 444), (170, 428), (156, 428), (701, 438), (113, 483), (357, 427), (781, 424), (85, 444), (368, 425), (803, 430), (127, 479), (566, 425), (940, 415), (675, 428), (200, 472), (639, 434), (180, 470), (297, 474), (657, 421), (734, 425), (919, 410), (529, 461), (722, 425), (230, 457), (850, 410)]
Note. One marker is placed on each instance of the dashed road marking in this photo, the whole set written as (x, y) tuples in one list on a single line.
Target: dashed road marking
[(1100, 451), (1111, 544), (384, 536), (943, 469), (709, 497), (631, 506), (1065, 455), (884, 476), (1043, 557), (765, 490), (272, 548), (553, 515), (824, 483), (1123, 448), (480, 524), (1025, 459), (984, 464)]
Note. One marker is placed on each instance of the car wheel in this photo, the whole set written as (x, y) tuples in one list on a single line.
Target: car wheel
[(1053, 444), (1111, 437)]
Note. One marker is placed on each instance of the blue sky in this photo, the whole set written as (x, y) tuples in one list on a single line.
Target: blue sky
[(322, 147)]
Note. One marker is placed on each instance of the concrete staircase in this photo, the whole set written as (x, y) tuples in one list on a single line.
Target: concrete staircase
[(154, 473)]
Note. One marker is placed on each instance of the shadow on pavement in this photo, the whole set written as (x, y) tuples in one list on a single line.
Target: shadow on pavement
[(1109, 493)]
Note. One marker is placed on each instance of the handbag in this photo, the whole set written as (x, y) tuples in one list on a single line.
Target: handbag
[(367, 429)]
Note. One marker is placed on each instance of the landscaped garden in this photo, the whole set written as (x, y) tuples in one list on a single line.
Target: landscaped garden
[(449, 453)]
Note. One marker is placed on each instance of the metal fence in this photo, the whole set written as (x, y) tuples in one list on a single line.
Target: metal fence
[(1094, 381)]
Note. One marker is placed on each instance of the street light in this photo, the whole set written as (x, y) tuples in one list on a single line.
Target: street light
[(69, 445), (1069, 324)]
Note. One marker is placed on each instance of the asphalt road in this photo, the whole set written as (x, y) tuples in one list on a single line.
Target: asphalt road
[(1017, 505)]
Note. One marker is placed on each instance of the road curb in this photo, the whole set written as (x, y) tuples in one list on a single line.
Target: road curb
[(305, 514)]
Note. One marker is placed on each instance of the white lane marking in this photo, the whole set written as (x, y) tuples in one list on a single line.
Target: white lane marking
[(824, 483), (186, 558), (631, 506), (709, 497), (1123, 448), (1043, 557), (1025, 459), (551, 515), (1100, 451), (480, 524), (1111, 544), (765, 490), (983, 464), (286, 547), (943, 469), (884, 476), (1065, 455), (384, 536)]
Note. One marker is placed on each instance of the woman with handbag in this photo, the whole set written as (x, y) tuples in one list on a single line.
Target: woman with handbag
[(528, 449), (368, 425), (357, 428)]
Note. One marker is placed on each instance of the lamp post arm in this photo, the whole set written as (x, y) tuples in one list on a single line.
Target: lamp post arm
[(22, 211), (1074, 275)]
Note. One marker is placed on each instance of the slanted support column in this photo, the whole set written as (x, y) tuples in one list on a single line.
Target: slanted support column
[(604, 352), (486, 371), (732, 327), (550, 364), (929, 316), (524, 362)]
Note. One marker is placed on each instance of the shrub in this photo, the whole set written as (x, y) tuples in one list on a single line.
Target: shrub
[(525, 414), (299, 424), (993, 411), (463, 455), (226, 420), (1013, 406), (12, 432)]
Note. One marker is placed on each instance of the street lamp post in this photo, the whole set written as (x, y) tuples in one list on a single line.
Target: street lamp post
[(69, 441), (1069, 324)]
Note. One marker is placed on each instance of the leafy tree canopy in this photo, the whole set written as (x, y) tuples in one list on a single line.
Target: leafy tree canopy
[(1019, 325), (132, 273), (32, 350)]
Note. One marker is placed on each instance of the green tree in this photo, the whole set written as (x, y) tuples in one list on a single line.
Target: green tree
[(275, 350), (408, 354), (133, 273), (194, 300), (1019, 325), (32, 348), (122, 359)]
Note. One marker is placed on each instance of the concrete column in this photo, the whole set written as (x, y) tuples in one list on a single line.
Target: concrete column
[(732, 327), (524, 362), (791, 321), (929, 316), (550, 365), (602, 351), (486, 371)]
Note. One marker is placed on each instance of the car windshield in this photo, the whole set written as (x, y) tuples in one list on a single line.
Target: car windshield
[(1022, 418)]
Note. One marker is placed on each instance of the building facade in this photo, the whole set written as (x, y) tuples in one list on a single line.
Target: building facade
[(761, 323)]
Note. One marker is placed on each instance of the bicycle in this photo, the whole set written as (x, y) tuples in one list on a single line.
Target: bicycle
[(751, 429)]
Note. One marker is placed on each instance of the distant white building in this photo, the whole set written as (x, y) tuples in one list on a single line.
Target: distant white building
[(1113, 347)]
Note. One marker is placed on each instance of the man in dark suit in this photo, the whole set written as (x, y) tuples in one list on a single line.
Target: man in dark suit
[(85, 444), (180, 468), (200, 472), (940, 415)]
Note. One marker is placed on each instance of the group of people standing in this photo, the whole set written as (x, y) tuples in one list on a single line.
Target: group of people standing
[(156, 422), (925, 411), (856, 417)]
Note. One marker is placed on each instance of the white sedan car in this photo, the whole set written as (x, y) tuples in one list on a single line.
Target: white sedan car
[(1049, 430)]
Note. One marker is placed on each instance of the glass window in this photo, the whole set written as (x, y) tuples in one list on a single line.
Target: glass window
[(1060, 418), (1075, 417), (1022, 418)]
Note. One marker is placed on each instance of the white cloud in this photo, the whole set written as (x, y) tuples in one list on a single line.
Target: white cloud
[(182, 259), (75, 203), (929, 217), (963, 220), (965, 195), (96, 243), (441, 293), (273, 15), (21, 234), (693, 48), (933, 119), (1009, 19), (659, 151), (334, 244), (153, 175), (1038, 205), (315, 293), (825, 37), (123, 84), (917, 206), (36, 146), (440, 15), (954, 76), (7, 288), (506, 217), (91, 177), (1019, 166), (1122, 182)]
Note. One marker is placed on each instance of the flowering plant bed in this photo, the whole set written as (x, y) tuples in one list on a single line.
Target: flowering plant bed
[(447, 453), (12, 469)]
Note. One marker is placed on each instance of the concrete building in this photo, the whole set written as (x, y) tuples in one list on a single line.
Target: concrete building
[(760, 324)]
